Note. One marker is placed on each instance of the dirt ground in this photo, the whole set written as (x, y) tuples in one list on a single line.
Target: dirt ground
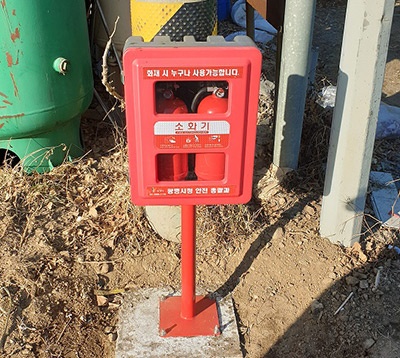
[(71, 244)]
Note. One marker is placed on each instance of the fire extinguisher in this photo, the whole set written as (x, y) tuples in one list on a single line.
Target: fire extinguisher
[(171, 167), (167, 103), (211, 166)]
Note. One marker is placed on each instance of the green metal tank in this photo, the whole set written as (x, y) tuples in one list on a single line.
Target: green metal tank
[(45, 80)]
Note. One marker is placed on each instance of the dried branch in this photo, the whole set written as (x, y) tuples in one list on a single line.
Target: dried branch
[(104, 74), (8, 313)]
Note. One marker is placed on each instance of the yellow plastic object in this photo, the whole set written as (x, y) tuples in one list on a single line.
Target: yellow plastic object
[(174, 18)]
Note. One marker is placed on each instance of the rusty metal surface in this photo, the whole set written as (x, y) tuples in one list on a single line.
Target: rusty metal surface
[(271, 10)]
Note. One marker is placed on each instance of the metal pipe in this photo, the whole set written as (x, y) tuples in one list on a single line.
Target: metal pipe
[(250, 21), (108, 33), (296, 53), (188, 261)]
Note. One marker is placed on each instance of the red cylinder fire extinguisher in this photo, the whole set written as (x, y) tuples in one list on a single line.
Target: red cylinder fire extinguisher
[(168, 103), (211, 166), (171, 167)]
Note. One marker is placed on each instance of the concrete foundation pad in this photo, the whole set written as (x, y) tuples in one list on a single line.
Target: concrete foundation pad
[(138, 331)]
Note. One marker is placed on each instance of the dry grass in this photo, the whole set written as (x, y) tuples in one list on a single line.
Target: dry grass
[(50, 224)]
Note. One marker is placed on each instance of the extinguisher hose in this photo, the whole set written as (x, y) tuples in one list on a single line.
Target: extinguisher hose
[(197, 98)]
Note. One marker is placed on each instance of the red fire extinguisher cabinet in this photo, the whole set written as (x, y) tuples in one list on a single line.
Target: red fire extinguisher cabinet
[(163, 141)]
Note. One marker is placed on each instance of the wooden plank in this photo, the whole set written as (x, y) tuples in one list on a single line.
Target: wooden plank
[(271, 10)]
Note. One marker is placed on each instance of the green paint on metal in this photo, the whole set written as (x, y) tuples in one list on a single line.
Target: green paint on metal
[(43, 151), (40, 105)]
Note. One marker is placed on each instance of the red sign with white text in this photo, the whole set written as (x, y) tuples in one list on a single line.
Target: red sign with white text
[(192, 73), (190, 191)]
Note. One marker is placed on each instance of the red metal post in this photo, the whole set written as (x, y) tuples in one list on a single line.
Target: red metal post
[(188, 261), (188, 315)]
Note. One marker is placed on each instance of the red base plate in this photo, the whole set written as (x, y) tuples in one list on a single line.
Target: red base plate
[(204, 323)]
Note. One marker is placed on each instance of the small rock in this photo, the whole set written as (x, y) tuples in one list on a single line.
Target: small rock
[(361, 276), (309, 210), (352, 281), (113, 306), (111, 243), (105, 268), (357, 251), (102, 301), (112, 337), (266, 87), (368, 343), (332, 275), (362, 257), (356, 247), (93, 212), (316, 307), (278, 234), (282, 201), (364, 284), (65, 254), (108, 330)]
